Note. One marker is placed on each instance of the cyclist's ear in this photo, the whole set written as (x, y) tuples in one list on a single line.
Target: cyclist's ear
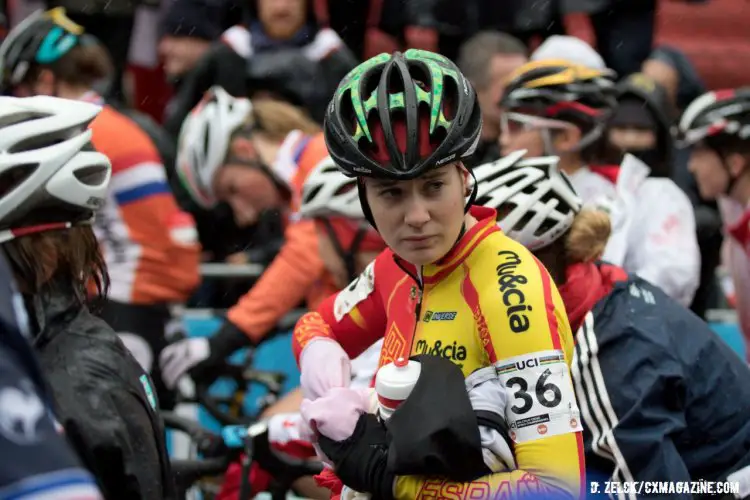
[(737, 163), (566, 139)]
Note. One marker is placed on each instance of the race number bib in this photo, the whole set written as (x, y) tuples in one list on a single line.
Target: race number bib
[(541, 401), (357, 291)]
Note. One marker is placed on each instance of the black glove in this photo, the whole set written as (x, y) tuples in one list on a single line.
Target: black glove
[(222, 344), (360, 461)]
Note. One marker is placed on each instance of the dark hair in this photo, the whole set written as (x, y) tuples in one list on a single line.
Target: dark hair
[(476, 53), (70, 256), (84, 65)]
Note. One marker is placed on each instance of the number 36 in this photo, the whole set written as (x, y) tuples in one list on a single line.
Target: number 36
[(540, 391)]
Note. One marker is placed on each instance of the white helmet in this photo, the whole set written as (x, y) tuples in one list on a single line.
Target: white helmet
[(204, 141), (328, 192), (536, 203), (47, 163)]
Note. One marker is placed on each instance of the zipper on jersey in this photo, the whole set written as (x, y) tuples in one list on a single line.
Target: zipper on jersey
[(420, 291)]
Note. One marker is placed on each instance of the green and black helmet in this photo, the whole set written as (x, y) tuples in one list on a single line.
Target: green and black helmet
[(397, 116)]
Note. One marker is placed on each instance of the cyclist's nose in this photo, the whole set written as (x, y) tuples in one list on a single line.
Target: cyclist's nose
[(417, 213)]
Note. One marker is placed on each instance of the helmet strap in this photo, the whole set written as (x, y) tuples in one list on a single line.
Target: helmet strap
[(364, 203), (549, 148)]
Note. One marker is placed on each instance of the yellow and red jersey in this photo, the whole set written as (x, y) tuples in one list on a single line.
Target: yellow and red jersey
[(488, 302)]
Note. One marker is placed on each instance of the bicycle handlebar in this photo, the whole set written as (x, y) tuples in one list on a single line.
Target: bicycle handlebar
[(272, 381), (187, 472), (180, 423)]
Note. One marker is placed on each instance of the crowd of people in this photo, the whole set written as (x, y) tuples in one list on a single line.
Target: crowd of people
[(540, 229)]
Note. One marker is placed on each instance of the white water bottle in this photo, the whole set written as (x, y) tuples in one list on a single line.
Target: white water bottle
[(393, 384)]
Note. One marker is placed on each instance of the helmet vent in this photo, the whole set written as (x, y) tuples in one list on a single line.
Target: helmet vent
[(311, 194), (11, 179), (450, 91), (347, 112), (421, 77), (93, 175), (43, 141)]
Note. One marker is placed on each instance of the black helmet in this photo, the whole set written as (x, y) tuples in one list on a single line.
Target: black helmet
[(41, 38), (397, 116)]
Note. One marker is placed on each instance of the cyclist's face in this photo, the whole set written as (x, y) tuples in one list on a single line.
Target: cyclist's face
[(248, 191), (518, 134), (710, 174), (281, 19), (420, 219), (181, 53), (632, 138)]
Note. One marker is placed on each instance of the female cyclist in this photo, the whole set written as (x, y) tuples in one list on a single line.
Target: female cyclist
[(346, 244), (148, 243), (717, 125), (254, 155), (403, 123), (662, 397), (51, 183), (554, 107)]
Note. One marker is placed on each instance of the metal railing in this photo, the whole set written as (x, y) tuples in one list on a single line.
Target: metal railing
[(228, 271)]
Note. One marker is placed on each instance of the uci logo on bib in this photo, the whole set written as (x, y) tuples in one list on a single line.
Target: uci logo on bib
[(508, 281)]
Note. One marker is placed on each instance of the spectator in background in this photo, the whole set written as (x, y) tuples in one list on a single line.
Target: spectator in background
[(642, 124), (280, 49), (486, 59), (188, 28), (624, 30), (459, 20)]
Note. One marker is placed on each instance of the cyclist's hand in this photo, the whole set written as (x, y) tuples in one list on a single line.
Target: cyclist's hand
[(361, 460), (176, 359), (323, 366), (336, 414)]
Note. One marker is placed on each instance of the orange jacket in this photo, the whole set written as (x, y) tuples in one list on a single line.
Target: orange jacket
[(297, 273), (149, 244)]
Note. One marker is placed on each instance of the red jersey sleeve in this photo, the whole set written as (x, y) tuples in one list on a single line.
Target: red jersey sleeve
[(354, 317)]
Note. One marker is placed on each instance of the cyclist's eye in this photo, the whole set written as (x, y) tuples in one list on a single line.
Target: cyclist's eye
[(390, 193), (435, 186), (515, 127)]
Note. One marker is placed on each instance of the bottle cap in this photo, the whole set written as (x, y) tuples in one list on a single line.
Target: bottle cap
[(395, 381)]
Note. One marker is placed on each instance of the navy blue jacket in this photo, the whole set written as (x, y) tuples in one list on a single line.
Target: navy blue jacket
[(662, 397)]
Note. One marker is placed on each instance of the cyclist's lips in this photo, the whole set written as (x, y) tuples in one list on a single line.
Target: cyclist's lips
[(418, 241)]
